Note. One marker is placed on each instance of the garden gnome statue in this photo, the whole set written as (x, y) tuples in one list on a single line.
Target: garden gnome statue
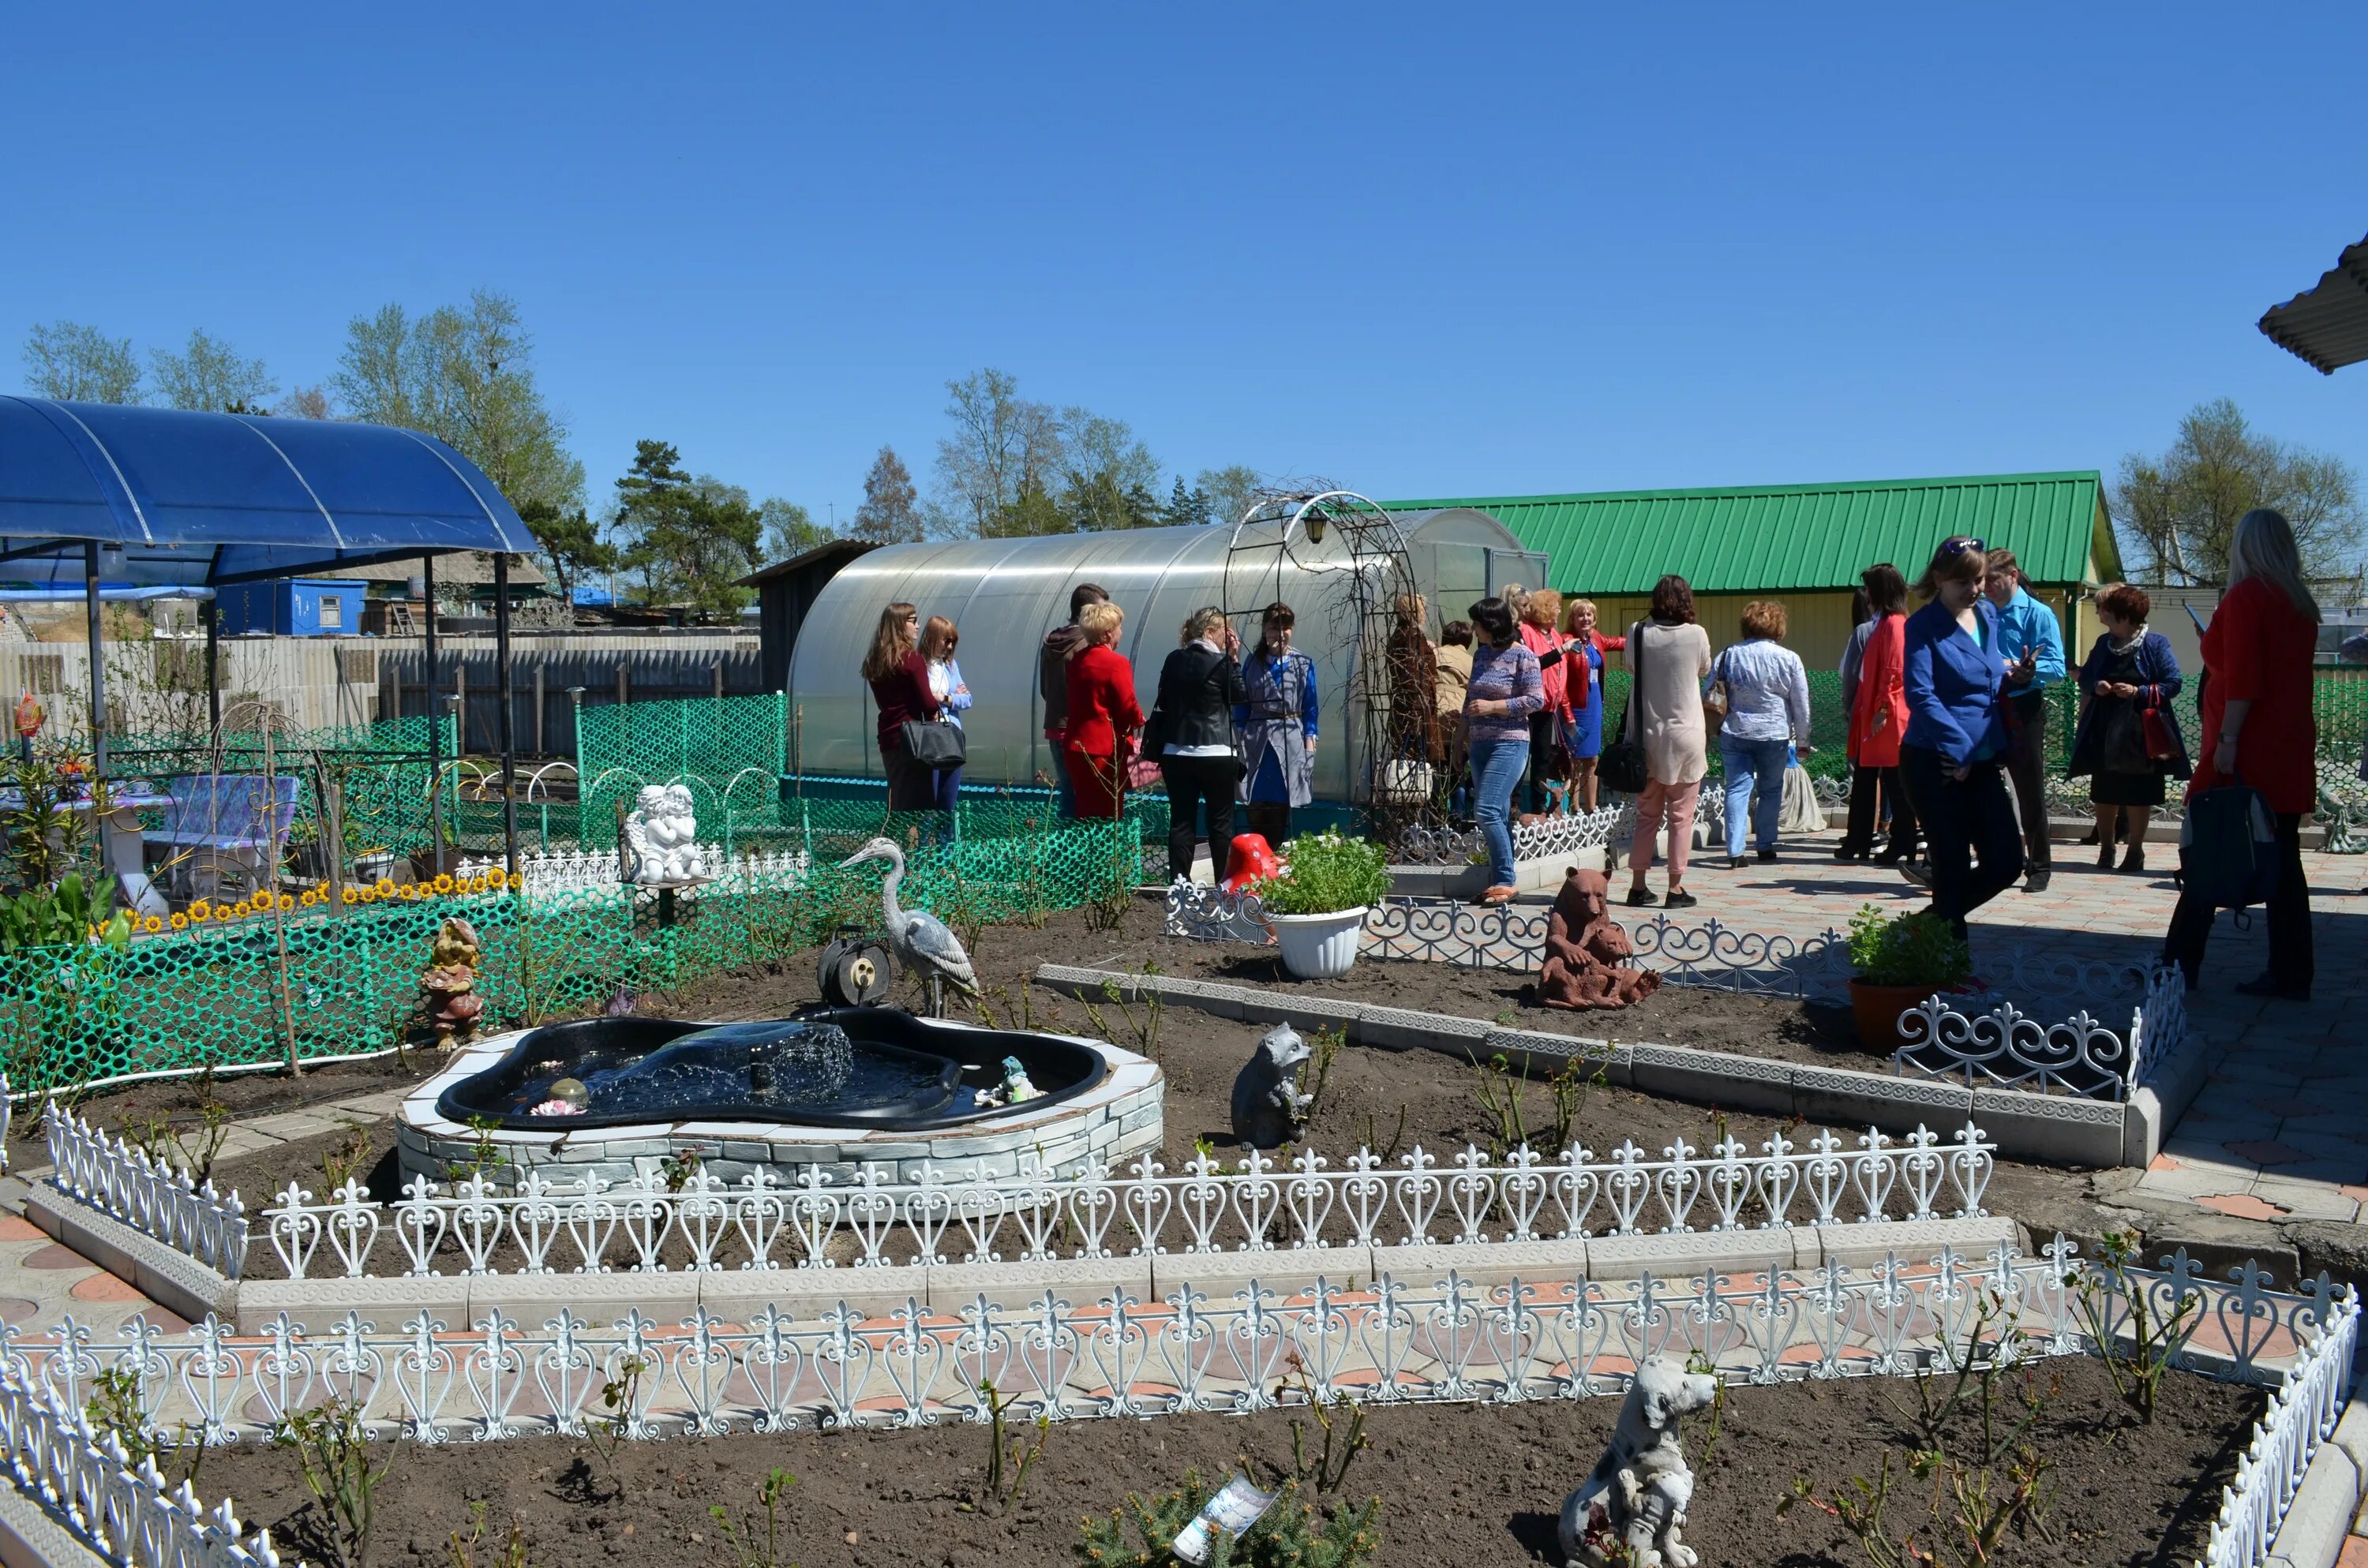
[(1268, 1105), (1584, 948), (1631, 1507), (661, 838), (448, 987)]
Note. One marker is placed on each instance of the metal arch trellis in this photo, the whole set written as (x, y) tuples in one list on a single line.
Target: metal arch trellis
[(1284, 528)]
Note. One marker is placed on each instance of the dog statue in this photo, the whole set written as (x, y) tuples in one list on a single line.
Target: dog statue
[(1633, 1504), (1268, 1105)]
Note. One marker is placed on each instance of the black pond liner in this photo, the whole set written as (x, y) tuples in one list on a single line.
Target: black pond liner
[(900, 1078)]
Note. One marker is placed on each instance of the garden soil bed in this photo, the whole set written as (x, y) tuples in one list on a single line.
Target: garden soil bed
[(1468, 1484)]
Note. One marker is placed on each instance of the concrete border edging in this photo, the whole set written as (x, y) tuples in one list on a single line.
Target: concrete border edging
[(2320, 1518), (31, 1536), (2051, 1129), (173, 1280)]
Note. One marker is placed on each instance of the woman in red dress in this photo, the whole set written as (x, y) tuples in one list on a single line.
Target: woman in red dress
[(1103, 714), (2257, 730)]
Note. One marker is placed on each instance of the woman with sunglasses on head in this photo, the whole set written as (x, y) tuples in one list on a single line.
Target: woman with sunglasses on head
[(1950, 759)]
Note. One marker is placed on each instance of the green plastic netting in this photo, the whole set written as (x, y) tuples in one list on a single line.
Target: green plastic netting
[(221, 995)]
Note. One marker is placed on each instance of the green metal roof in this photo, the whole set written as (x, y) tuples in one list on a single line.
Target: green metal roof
[(1804, 536)]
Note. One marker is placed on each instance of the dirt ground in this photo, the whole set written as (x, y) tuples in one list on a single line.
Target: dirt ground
[(1467, 1484)]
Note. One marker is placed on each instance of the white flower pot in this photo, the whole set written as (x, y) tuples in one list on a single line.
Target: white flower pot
[(1319, 946)]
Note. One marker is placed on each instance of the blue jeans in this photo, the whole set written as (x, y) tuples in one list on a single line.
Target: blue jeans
[(1497, 770), (1749, 763), (1064, 793)]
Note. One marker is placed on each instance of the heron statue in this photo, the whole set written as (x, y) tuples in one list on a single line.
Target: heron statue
[(918, 938)]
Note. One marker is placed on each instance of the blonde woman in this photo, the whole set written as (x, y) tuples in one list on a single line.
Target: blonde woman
[(900, 689), (1103, 713), (1191, 730), (1549, 761), (1583, 692)]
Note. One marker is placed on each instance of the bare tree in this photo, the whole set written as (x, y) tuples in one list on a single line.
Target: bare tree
[(67, 359), (1003, 447), (2176, 513), (1230, 491)]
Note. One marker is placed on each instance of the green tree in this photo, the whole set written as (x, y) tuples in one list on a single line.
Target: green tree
[(465, 375), (211, 376), (1107, 473), (67, 360), (1002, 445), (573, 548), (689, 539), (1032, 511), (789, 529), (2176, 513), (1185, 508), (889, 512), (1229, 491)]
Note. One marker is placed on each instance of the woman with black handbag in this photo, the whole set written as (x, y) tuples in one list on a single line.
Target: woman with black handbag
[(2127, 740), (909, 741), (1191, 735)]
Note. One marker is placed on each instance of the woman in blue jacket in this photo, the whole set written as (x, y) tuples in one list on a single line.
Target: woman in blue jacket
[(1949, 757)]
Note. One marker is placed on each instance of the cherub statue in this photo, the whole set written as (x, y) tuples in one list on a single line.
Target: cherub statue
[(1631, 1507), (662, 838), (1268, 1106), (1585, 950), (449, 985)]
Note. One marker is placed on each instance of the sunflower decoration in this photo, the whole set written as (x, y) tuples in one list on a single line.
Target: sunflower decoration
[(443, 881), (199, 908), (180, 920), (367, 896), (352, 895), (386, 887), (153, 924), (496, 880), (287, 901)]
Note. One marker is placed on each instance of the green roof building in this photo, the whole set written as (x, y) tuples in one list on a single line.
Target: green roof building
[(1805, 544)]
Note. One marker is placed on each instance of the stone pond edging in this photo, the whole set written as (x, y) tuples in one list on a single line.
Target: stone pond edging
[(2050, 1129)]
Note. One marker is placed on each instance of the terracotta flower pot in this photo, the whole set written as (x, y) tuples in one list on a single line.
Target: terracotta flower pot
[(1877, 1009)]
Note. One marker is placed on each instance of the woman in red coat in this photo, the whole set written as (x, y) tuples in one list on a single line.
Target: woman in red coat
[(1878, 718), (2257, 730), (1103, 714)]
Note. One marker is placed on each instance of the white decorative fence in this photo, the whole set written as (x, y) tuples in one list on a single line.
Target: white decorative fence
[(1561, 833), (577, 869), (1946, 1037), (146, 1194), (2303, 1410), (124, 1512), (1308, 1204)]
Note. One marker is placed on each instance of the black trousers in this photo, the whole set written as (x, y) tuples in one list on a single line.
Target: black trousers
[(911, 787), (1544, 732), (1859, 836), (1270, 820), (2293, 964), (1192, 782), (1971, 838), (2026, 767)]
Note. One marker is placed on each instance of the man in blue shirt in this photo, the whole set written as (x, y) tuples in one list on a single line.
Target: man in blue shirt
[(2031, 644)]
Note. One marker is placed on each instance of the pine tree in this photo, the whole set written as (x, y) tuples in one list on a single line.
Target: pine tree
[(1187, 509), (889, 512)]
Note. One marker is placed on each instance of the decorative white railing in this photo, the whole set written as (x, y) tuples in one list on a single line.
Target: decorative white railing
[(568, 870), (1945, 1037), (1451, 1339), (1560, 834), (126, 1513), (759, 1224), (149, 1195), (2302, 1413)]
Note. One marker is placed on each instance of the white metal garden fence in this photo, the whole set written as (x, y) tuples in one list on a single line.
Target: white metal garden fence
[(1949, 1036), (700, 1223), (150, 1195)]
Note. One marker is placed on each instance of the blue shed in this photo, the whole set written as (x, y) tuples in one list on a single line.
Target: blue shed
[(292, 607)]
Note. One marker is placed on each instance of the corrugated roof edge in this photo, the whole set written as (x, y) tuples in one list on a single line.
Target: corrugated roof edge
[(1838, 487)]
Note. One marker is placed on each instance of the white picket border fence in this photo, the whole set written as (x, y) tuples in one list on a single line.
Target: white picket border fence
[(1145, 1211), (151, 1196), (1947, 1036), (575, 871), (123, 1511), (2303, 1410)]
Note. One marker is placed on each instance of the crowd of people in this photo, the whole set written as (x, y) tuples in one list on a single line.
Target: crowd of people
[(1946, 735)]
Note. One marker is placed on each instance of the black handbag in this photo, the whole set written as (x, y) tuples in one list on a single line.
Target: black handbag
[(1622, 766), (932, 743)]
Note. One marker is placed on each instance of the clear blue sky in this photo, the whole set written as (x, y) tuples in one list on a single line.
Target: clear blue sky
[(1441, 249)]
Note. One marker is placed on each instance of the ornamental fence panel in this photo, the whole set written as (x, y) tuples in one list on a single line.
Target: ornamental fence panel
[(148, 1194), (655, 1223), (1278, 1341)]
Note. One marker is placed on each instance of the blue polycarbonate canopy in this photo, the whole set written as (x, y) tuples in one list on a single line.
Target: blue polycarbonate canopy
[(218, 498)]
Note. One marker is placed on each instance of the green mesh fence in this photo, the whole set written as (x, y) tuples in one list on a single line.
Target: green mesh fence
[(223, 996), (730, 750)]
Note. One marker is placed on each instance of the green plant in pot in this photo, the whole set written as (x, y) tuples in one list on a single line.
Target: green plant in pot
[(1317, 902), (1898, 961)]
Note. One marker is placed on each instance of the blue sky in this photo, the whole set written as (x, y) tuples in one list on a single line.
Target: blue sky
[(1421, 251)]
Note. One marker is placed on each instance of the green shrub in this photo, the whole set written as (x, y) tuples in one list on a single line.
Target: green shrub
[(1913, 949), (1287, 1535), (1327, 872)]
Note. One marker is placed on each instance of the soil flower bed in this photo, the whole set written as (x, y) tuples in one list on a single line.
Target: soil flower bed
[(1467, 1484)]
